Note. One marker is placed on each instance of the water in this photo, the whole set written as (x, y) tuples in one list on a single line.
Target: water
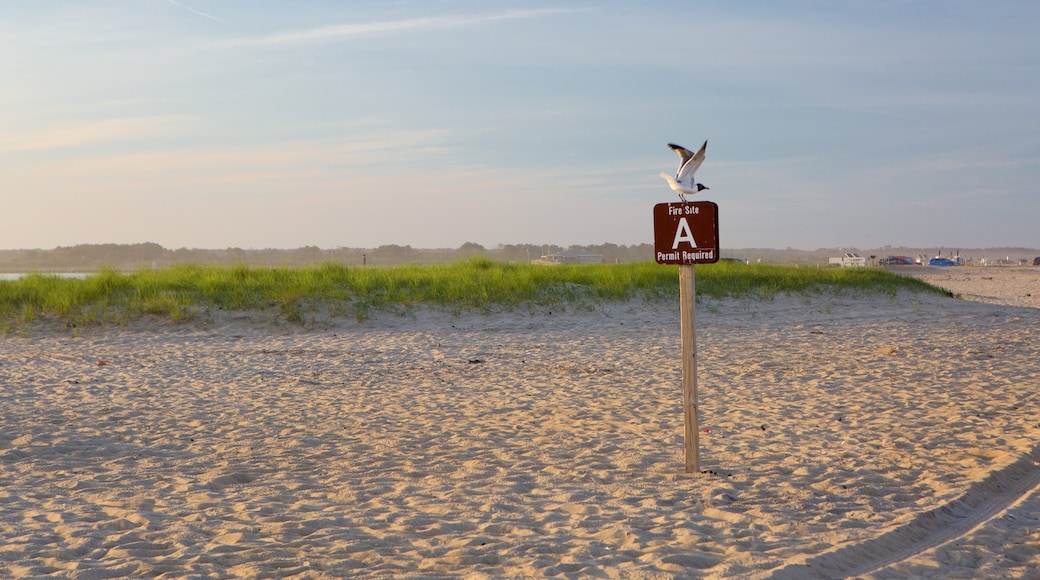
[(20, 275)]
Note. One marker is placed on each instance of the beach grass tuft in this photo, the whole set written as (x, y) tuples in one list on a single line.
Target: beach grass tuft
[(182, 292)]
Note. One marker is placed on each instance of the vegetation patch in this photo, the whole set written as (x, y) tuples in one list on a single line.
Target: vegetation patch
[(182, 292)]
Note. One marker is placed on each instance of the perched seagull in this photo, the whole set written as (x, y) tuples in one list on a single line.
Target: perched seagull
[(683, 182)]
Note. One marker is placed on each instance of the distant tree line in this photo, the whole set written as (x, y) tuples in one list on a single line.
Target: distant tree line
[(90, 257)]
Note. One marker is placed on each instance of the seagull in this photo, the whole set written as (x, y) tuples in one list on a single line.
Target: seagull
[(683, 182)]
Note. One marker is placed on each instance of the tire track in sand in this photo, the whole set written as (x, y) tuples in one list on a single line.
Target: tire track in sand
[(983, 501)]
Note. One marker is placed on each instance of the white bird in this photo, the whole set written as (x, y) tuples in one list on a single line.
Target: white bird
[(683, 182)]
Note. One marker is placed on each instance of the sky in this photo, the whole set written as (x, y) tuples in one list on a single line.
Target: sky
[(361, 123)]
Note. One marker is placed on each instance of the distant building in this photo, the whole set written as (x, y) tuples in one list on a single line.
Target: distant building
[(849, 260), (570, 257)]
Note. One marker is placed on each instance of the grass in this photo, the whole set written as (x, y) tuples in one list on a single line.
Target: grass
[(182, 292)]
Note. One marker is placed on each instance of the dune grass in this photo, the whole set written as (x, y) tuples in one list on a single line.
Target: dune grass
[(182, 292)]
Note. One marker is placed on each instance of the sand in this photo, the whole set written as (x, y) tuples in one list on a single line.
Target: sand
[(1010, 286), (868, 436)]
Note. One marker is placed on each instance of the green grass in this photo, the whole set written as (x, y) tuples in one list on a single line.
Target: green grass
[(183, 292)]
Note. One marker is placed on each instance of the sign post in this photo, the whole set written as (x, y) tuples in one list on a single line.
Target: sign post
[(687, 298), (686, 234)]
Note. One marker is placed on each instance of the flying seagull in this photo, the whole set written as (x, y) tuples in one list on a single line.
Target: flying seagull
[(683, 182)]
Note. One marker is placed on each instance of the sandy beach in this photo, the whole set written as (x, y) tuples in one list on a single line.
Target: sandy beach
[(841, 436)]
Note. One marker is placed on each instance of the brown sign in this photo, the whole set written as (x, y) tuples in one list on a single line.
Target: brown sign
[(686, 232)]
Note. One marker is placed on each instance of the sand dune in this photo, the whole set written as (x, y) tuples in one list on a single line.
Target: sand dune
[(1007, 285), (870, 435)]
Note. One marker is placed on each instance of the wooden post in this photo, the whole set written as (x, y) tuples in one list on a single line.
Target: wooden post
[(687, 294)]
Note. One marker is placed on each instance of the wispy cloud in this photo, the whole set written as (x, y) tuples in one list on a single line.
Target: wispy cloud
[(343, 31), (197, 12), (365, 150), (89, 133)]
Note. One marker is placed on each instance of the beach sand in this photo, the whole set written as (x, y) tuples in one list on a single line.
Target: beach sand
[(867, 436)]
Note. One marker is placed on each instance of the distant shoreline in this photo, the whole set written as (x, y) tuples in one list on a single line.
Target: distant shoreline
[(133, 257)]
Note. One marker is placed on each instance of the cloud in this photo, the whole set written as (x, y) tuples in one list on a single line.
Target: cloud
[(89, 133), (343, 31), (196, 12), (221, 163)]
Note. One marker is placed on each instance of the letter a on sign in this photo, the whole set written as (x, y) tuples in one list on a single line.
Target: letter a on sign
[(674, 226), (683, 234)]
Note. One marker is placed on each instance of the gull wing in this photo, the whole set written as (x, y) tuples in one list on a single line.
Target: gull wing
[(684, 154), (691, 162)]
